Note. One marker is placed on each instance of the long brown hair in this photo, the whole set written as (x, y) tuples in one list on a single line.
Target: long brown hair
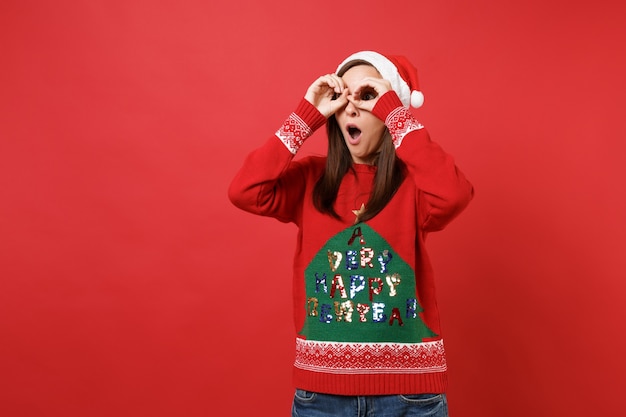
[(389, 172)]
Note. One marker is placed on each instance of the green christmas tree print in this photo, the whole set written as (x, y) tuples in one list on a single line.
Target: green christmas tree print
[(358, 289)]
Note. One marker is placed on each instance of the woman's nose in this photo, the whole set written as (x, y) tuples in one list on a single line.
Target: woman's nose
[(351, 109)]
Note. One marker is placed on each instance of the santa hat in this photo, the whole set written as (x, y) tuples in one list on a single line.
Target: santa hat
[(397, 70)]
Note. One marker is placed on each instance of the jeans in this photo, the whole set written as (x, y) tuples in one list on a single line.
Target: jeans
[(311, 404)]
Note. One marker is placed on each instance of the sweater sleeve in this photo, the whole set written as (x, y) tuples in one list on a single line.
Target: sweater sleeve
[(442, 189), (270, 183)]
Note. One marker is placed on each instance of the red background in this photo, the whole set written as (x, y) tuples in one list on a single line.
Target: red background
[(126, 276)]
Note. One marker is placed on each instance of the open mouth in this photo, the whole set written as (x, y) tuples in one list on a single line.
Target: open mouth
[(354, 132)]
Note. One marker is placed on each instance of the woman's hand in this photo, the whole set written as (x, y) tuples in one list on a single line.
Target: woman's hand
[(367, 93), (328, 94)]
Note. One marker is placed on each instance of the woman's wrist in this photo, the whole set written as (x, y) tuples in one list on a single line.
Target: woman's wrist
[(299, 125), (386, 103), (398, 119)]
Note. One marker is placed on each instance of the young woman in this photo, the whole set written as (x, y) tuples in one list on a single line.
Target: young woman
[(368, 339)]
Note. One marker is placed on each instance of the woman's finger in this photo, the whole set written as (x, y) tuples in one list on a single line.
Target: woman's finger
[(373, 86)]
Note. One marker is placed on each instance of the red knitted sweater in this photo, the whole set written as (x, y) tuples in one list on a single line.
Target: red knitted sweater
[(365, 310)]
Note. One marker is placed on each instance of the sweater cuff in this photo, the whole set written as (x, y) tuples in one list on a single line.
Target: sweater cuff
[(387, 103), (300, 125), (398, 119), (311, 116)]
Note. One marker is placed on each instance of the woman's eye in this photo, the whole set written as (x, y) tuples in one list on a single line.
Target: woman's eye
[(335, 96), (368, 95)]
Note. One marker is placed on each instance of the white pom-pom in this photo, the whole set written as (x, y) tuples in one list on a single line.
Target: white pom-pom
[(417, 99)]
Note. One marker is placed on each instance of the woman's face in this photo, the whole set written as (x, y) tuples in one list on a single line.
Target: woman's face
[(362, 131)]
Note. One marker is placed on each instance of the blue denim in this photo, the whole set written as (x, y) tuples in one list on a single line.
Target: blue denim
[(312, 404)]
